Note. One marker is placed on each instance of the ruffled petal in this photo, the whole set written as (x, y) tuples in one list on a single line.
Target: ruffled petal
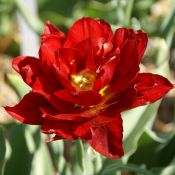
[(142, 41), (89, 47), (47, 54), (82, 29), (28, 68), (120, 37), (149, 88), (62, 128), (106, 72), (59, 103), (28, 109), (91, 122), (122, 34), (83, 98), (128, 66), (52, 29), (107, 140), (48, 50), (72, 59), (108, 34)]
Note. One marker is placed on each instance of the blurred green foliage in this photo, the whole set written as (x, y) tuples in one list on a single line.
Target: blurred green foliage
[(23, 150)]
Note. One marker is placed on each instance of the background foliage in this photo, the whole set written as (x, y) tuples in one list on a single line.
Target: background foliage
[(149, 134)]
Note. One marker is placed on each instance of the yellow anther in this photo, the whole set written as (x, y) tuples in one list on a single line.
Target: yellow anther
[(102, 91), (84, 80)]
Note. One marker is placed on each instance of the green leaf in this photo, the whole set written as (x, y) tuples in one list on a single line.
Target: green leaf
[(88, 157), (137, 125), (107, 163), (168, 22), (147, 157), (122, 167), (169, 170), (18, 84), (67, 171), (2, 149), (80, 154), (41, 163), (157, 152), (166, 151), (33, 137), (21, 158), (97, 163), (129, 9)]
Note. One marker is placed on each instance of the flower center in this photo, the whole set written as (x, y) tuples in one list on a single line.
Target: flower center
[(84, 80)]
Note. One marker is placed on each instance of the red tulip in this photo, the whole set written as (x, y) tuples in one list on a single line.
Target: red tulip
[(83, 80)]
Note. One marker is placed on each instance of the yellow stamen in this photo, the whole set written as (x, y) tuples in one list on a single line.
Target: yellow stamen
[(84, 80), (102, 91)]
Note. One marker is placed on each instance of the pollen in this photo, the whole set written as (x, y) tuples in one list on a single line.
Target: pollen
[(84, 80)]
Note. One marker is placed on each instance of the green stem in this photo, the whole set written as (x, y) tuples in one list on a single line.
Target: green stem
[(33, 21), (129, 9)]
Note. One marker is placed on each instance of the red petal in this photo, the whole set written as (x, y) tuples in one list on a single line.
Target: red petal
[(142, 41), (30, 71), (27, 110), (128, 58), (66, 117), (63, 77), (28, 68), (51, 29), (94, 121), (128, 66), (108, 34), (59, 103), (122, 34), (82, 29), (149, 88), (120, 37), (72, 58), (107, 140), (63, 128), (47, 59), (88, 47), (84, 98), (107, 70), (48, 50)]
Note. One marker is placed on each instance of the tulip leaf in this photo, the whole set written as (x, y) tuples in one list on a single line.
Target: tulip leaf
[(41, 163), (128, 167), (129, 9), (18, 84), (97, 163), (3, 149), (167, 151), (67, 171), (137, 124), (150, 146), (169, 170), (80, 153), (21, 158), (168, 21), (58, 149), (88, 157)]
